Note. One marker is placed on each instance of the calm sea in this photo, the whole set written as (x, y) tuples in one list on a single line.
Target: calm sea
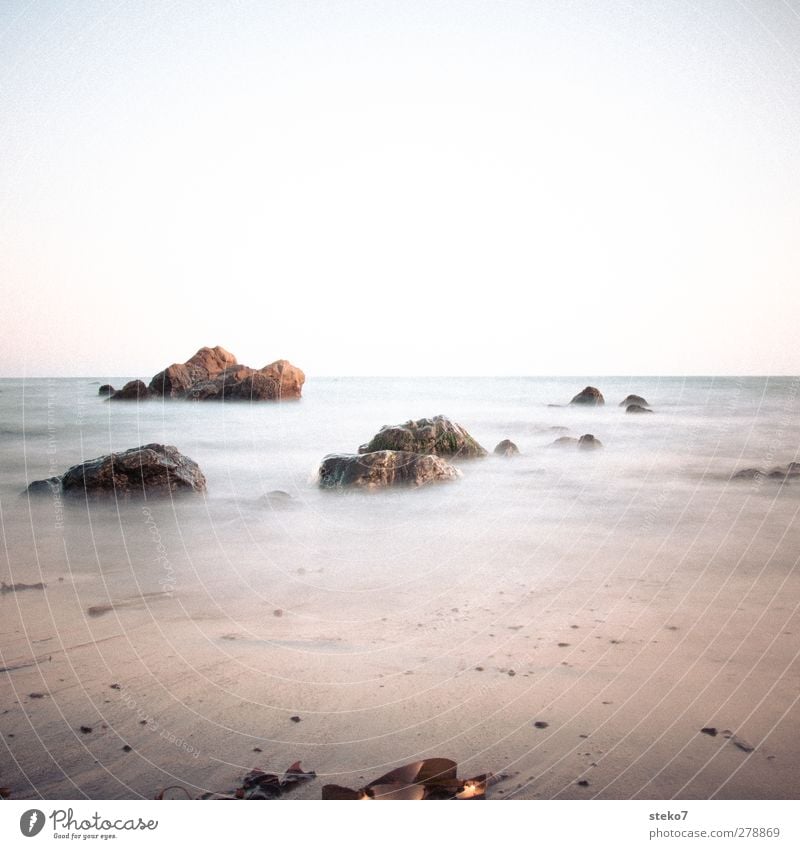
[(660, 486)]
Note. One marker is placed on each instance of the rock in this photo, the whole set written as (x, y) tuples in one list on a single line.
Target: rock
[(289, 378), (637, 408), (19, 587), (590, 396), (437, 436), (278, 499), (173, 382), (384, 468), (44, 487), (506, 448), (785, 472), (210, 361), (106, 389), (133, 390), (742, 744), (779, 473), (634, 399), (588, 441), (148, 470), (748, 474), (565, 441), (214, 374)]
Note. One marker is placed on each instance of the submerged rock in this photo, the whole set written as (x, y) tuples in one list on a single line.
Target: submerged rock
[(779, 473), (589, 396), (278, 499), (106, 389), (565, 441), (438, 436), (133, 390), (148, 470), (587, 442), (214, 374), (506, 448), (637, 408), (634, 399), (384, 468)]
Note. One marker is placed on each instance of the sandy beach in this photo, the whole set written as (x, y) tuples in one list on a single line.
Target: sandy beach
[(590, 679)]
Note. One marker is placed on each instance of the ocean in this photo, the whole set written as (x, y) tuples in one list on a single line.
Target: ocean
[(331, 591)]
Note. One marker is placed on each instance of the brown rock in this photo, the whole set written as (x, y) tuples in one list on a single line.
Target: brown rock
[(208, 362), (506, 448), (148, 470), (106, 389), (438, 436), (134, 390), (289, 378), (637, 408), (214, 374), (634, 399), (173, 382), (589, 396), (378, 469)]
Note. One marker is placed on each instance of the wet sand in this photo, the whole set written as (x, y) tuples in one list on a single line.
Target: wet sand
[(623, 667)]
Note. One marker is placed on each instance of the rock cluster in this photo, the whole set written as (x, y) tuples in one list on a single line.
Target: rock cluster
[(214, 374), (409, 454)]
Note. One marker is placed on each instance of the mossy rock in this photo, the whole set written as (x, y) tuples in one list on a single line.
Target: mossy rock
[(438, 436)]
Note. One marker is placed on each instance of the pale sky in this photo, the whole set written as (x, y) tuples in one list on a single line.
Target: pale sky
[(532, 187)]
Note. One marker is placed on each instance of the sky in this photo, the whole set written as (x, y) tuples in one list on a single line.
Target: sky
[(539, 187)]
